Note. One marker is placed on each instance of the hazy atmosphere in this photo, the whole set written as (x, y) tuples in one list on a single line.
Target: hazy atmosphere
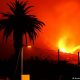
[(61, 30)]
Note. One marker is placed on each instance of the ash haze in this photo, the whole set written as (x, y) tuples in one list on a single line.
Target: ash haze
[(62, 19)]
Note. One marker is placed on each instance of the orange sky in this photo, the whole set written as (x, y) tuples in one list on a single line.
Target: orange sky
[(61, 18)]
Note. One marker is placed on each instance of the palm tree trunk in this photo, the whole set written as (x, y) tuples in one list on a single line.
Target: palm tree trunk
[(17, 37), (17, 65)]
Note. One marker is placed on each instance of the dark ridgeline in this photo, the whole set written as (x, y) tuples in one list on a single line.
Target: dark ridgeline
[(20, 22), (50, 70), (42, 69)]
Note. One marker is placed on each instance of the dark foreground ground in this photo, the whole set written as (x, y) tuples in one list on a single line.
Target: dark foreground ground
[(42, 70), (50, 70)]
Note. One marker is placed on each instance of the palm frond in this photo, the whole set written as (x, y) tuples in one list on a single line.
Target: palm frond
[(26, 9), (6, 14), (20, 22), (7, 32), (2, 24), (12, 8), (23, 4)]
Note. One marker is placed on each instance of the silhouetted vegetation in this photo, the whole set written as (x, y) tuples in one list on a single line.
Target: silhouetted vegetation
[(42, 69), (50, 70), (20, 22)]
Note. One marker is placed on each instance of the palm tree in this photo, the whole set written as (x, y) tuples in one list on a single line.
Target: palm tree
[(20, 22)]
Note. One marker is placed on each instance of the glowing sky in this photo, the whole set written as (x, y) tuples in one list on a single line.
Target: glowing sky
[(62, 19)]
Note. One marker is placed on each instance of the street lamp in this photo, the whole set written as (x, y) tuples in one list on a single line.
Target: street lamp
[(29, 46)]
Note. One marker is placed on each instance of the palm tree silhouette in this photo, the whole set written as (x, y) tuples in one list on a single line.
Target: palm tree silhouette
[(20, 22)]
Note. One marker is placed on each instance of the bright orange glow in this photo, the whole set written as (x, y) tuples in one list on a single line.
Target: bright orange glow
[(25, 77), (66, 46), (63, 17), (29, 46)]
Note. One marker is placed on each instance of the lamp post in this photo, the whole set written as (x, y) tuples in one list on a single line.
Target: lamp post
[(22, 61), (24, 77)]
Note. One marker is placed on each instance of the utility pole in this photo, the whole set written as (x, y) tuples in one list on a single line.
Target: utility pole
[(78, 58), (58, 56)]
